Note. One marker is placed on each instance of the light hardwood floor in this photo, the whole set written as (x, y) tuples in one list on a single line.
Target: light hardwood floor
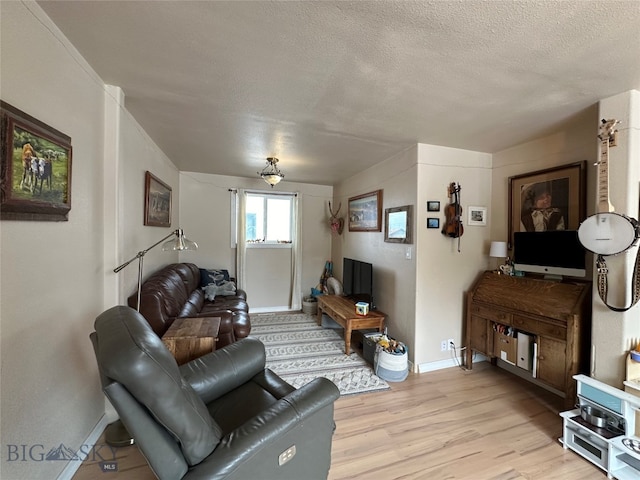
[(448, 424)]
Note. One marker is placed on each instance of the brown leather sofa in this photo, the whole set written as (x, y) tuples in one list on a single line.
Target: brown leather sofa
[(175, 291)]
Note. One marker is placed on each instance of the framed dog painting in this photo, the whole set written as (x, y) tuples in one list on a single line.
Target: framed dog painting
[(35, 176)]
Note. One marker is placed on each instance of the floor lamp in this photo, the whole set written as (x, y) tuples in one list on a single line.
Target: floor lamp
[(116, 433), (180, 242)]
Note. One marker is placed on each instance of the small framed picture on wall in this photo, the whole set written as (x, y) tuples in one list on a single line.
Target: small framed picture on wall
[(433, 206), (477, 216), (433, 222)]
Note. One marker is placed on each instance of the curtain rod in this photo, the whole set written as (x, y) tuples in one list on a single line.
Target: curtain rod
[(267, 192)]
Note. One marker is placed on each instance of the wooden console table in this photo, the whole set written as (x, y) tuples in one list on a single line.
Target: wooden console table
[(556, 314), (343, 311), (189, 338)]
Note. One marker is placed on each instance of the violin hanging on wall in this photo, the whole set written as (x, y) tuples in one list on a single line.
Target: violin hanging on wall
[(453, 225)]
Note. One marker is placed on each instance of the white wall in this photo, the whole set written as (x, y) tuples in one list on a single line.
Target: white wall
[(57, 277), (205, 213), (394, 276), (422, 296), (615, 333), (137, 153), (52, 273), (444, 274)]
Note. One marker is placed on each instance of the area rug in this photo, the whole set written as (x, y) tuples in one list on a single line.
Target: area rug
[(299, 350)]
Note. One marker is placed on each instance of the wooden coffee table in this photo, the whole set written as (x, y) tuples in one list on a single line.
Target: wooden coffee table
[(343, 311), (189, 338)]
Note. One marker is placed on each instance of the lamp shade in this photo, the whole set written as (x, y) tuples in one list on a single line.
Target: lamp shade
[(272, 178), (180, 242), (498, 249), (271, 173)]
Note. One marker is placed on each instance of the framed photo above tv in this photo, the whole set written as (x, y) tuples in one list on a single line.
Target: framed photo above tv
[(398, 224), (157, 202), (35, 181), (547, 200), (365, 212)]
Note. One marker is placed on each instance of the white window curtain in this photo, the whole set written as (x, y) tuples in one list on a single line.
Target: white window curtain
[(295, 294), (295, 299), (241, 244)]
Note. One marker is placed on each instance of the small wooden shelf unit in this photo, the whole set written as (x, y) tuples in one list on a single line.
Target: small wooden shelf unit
[(556, 314), (189, 338)]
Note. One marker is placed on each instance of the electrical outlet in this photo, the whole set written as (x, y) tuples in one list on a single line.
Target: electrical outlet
[(443, 346), (450, 344)]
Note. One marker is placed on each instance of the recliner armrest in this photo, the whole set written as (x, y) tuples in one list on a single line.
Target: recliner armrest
[(219, 372), (241, 453)]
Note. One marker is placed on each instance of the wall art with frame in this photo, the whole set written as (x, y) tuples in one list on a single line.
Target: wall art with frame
[(550, 199), (35, 173), (477, 216), (398, 225), (365, 212), (433, 222), (157, 202), (433, 206)]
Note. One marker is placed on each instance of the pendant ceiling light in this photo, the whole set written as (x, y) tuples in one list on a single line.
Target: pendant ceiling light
[(271, 174)]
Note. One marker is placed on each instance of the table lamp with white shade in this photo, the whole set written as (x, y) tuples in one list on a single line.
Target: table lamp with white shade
[(499, 250)]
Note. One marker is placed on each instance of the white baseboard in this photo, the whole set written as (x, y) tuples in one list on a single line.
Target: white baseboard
[(269, 310), (441, 364), (72, 467)]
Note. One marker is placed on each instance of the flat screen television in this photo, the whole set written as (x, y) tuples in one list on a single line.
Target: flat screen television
[(357, 280), (554, 253)]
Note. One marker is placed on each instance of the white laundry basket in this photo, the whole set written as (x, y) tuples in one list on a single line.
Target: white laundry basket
[(392, 367)]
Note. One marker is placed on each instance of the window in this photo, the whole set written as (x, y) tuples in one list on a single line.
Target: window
[(268, 218)]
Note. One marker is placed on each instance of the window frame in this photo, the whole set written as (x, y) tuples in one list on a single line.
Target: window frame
[(271, 243)]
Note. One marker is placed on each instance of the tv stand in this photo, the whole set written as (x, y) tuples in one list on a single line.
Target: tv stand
[(343, 311), (556, 314)]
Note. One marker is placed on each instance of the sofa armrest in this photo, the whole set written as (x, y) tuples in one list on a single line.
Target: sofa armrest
[(219, 372), (303, 419)]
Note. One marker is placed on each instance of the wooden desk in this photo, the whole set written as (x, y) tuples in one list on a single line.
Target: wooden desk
[(189, 338), (343, 311), (556, 314)]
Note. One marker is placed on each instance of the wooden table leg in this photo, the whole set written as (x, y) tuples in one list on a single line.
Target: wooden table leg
[(347, 338), (319, 316)]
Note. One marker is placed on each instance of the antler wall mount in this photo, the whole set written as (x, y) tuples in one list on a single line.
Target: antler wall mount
[(336, 223)]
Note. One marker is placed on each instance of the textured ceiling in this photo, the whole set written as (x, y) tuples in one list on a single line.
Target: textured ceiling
[(331, 88)]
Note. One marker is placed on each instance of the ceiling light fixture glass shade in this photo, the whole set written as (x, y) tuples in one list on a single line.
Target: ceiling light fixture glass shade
[(271, 173)]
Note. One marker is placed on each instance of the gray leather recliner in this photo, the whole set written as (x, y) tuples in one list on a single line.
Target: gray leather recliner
[(223, 415)]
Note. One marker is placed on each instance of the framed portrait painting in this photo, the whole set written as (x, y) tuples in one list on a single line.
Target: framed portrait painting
[(157, 202), (551, 199), (35, 179), (365, 212)]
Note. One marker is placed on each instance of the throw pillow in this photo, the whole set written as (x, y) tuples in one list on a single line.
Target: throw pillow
[(207, 277)]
